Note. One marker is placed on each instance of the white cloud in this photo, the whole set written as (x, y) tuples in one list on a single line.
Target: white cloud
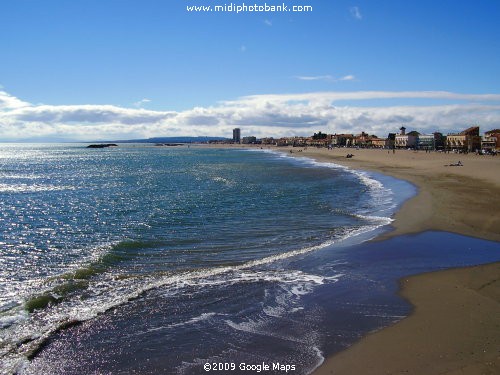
[(327, 78), (8, 101), (141, 102), (356, 13), (348, 77), (316, 78), (261, 115), (268, 22)]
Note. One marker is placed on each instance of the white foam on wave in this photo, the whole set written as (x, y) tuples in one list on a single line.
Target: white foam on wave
[(16, 318), (132, 288), (383, 220), (15, 293), (7, 175), (109, 293), (321, 359), (281, 302), (32, 332), (223, 180)]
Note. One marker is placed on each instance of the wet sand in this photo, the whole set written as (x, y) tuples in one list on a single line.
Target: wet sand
[(454, 329)]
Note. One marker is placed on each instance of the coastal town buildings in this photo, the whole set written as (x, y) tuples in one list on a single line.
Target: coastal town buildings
[(434, 141), (249, 140), (383, 142), (299, 141), (490, 135), (439, 140), (465, 141), (319, 140), (340, 140), (364, 140), (404, 140), (380, 143), (426, 142), (268, 141), (488, 144), (287, 141)]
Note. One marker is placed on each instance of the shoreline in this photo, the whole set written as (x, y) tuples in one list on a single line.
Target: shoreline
[(395, 253), (450, 328), (461, 200), (455, 199), (454, 337)]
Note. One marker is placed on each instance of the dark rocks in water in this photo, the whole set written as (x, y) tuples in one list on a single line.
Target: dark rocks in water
[(169, 144), (104, 145)]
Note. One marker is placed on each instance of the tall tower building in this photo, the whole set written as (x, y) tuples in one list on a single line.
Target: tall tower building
[(236, 135)]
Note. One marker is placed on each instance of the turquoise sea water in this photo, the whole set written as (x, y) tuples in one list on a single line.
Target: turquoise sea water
[(175, 256)]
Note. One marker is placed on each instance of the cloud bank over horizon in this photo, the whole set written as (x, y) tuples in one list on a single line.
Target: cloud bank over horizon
[(259, 115)]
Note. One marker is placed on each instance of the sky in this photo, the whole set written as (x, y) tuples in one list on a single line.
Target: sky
[(118, 69)]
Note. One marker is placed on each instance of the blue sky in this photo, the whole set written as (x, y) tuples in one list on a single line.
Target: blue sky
[(80, 68)]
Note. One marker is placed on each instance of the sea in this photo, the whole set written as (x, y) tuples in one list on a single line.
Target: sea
[(140, 259)]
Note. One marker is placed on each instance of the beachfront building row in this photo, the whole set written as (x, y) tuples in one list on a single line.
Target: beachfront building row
[(403, 140), (415, 140), (468, 140)]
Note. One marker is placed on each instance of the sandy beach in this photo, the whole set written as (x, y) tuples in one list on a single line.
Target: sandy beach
[(454, 327)]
